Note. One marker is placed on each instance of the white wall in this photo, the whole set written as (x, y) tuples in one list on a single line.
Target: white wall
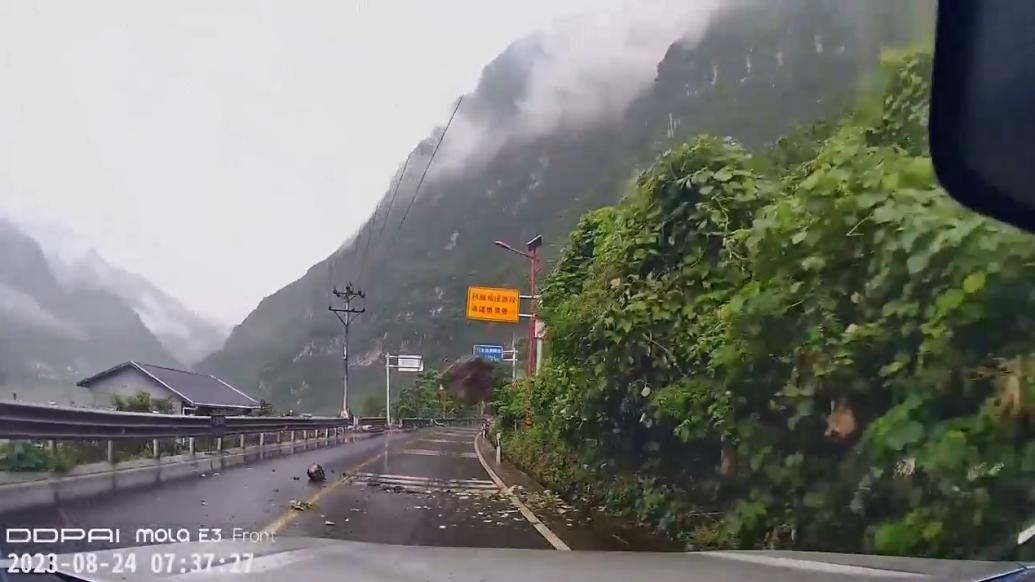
[(128, 382), (66, 395)]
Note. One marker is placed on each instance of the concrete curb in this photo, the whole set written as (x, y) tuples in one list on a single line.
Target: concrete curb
[(539, 526)]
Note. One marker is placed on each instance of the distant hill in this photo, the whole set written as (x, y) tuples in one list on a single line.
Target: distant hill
[(65, 313), (758, 69), (187, 336)]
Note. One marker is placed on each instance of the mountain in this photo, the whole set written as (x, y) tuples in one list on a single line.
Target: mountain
[(187, 336), (54, 335), (557, 125)]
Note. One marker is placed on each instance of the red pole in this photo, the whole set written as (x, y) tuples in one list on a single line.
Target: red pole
[(531, 321)]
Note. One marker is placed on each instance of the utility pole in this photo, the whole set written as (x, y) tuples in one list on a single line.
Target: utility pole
[(344, 315)]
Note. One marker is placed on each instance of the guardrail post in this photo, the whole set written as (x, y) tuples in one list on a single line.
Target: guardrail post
[(190, 445), (219, 443), (262, 439), (154, 447), (292, 436), (242, 442), (111, 452), (52, 445)]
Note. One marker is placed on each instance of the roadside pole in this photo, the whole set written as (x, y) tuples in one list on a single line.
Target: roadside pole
[(344, 316), (403, 363), (513, 359), (532, 255), (534, 308), (388, 390), (540, 332)]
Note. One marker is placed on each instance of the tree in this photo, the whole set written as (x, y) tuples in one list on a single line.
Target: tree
[(372, 405), (142, 402), (824, 349), (424, 399), (265, 408)]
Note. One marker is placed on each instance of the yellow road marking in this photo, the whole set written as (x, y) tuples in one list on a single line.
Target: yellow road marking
[(285, 518)]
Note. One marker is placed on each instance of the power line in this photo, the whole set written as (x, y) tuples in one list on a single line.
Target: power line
[(368, 225), (441, 138), (388, 211), (395, 191)]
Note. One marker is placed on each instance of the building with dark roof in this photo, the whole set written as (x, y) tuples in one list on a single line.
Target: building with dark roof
[(190, 392)]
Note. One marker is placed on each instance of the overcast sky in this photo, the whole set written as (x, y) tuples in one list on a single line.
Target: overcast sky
[(220, 148)]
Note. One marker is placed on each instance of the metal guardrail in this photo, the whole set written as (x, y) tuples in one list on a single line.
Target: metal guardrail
[(375, 421), (424, 422), (28, 421)]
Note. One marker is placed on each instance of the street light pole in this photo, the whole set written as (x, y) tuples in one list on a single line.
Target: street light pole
[(532, 355), (533, 258)]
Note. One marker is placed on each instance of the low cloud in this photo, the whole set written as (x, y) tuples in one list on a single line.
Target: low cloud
[(584, 70), (17, 308)]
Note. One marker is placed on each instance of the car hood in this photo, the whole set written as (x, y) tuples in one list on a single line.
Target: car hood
[(316, 560)]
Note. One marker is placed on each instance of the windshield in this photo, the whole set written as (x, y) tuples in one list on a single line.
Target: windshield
[(567, 275)]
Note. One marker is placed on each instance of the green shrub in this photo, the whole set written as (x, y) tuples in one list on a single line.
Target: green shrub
[(818, 350)]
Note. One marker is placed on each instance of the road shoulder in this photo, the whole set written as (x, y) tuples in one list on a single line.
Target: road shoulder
[(579, 528)]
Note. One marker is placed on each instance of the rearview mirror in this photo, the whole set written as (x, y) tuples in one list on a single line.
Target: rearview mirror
[(982, 126)]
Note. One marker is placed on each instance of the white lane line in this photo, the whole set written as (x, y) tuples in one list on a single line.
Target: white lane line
[(426, 479), (430, 486), (451, 441), (539, 526), (427, 485), (433, 453), (813, 566)]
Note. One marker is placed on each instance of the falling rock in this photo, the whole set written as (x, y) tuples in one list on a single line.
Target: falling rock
[(316, 472)]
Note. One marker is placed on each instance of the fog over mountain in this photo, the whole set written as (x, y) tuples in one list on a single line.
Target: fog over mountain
[(559, 123), (66, 312)]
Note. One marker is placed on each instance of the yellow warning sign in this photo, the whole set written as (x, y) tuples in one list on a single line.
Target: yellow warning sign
[(492, 304)]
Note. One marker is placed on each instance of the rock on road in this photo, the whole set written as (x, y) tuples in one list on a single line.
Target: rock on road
[(420, 488), (429, 489)]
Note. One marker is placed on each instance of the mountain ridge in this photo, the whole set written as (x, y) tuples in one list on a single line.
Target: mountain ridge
[(759, 69), (65, 315)]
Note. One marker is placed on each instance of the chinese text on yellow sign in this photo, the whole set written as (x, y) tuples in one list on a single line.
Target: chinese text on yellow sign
[(492, 304)]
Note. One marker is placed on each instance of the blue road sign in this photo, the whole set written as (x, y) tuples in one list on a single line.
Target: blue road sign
[(492, 352)]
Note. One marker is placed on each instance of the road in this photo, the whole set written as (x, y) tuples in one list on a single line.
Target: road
[(429, 489), (419, 488), (248, 495)]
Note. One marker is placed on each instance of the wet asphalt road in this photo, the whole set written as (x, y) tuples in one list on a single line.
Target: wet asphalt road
[(419, 488), (430, 489), (246, 492)]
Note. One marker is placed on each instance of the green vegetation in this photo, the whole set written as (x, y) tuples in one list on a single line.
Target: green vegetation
[(24, 456), (37, 456), (423, 399), (34, 456), (812, 348), (754, 73), (142, 402)]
